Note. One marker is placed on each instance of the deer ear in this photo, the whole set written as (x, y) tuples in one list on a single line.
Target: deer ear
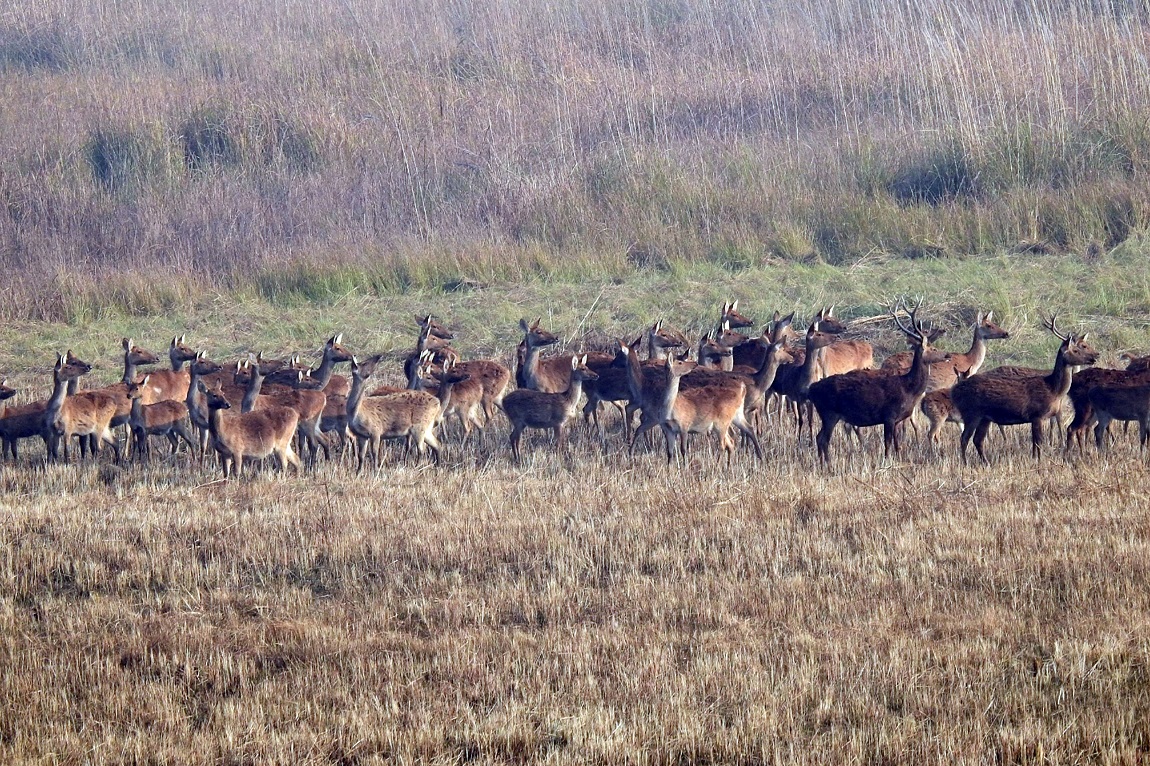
[(735, 305), (524, 326), (338, 338), (989, 316), (183, 339), (1083, 338), (175, 340), (144, 382), (574, 361), (127, 343), (659, 325)]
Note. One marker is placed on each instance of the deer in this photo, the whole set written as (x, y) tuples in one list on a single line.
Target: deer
[(27, 420), (1137, 371), (409, 415), (459, 394), (842, 355), (309, 405), (92, 414), (322, 378), (164, 418), (865, 398), (433, 336), (794, 380), (1129, 402), (198, 411), (259, 434), (704, 410), (527, 408), (173, 384), (1017, 399), (946, 374)]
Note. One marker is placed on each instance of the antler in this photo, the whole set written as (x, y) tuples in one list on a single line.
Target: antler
[(915, 330), (1052, 325)]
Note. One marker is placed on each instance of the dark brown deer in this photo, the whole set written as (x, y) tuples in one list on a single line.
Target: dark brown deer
[(1129, 402), (196, 403), (865, 398), (1009, 399), (1137, 371), (528, 408)]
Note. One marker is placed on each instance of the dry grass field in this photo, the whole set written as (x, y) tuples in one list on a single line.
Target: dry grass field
[(593, 610)]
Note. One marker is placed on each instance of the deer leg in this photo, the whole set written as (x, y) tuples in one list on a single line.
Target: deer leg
[(516, 435), (824, 438), (749, 435), (1036, 438), (1101, 424), (979, 437)]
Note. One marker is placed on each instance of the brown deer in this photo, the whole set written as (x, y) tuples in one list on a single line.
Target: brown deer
[(1137, 372), (27, 420), (704, 410), (1121, 401), (196, 403), (1008, 399), (865, 398), (92, 414), (6, 392), (408, 415), (173, 384), (257, 435), (946, 374), (458, 393), (164, 418), (527, 408), (842, 355), (322, 378), (309, 405), (434, 337)]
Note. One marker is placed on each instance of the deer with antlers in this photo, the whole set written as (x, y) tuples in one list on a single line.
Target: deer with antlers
[(864, 398), (1009, 399)]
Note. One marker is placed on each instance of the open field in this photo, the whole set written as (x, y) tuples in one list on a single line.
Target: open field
[(261, 175), (590, 608)]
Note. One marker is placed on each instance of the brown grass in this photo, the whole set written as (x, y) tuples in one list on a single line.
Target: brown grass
[(592, 611)]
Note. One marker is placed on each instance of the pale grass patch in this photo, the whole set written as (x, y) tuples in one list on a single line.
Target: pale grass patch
[(590, 609)]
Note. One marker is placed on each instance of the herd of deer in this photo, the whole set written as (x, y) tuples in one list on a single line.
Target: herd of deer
[(283, 406)]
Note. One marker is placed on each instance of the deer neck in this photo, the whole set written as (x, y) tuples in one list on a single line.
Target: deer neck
[(253, 391), (574, 391), (56, 401), (176, 360), (355, 395), (72, 387), (531, 366), (764, 377), (136, 414), (129, 368), (669, 395), (918, 376), (977, 354), (809, 369), (215, 414), (326, 369), (1062, 375)]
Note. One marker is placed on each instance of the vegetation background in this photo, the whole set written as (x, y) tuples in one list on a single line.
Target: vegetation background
[(265, 173)]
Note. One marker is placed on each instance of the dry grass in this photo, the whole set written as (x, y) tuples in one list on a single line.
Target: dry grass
[(590, 611)]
